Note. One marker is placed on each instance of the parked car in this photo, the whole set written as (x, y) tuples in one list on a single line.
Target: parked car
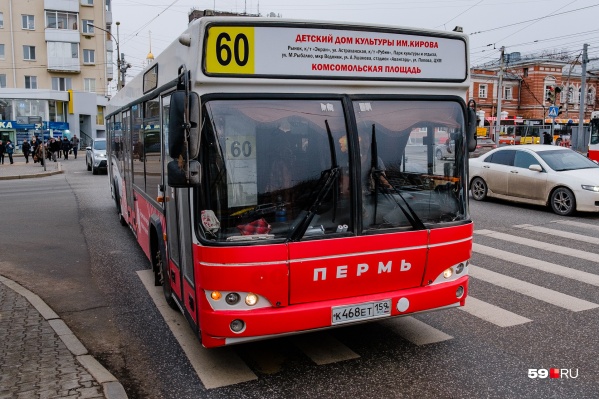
[(445, 150), (537, 174), (483, 145), (95, 156)]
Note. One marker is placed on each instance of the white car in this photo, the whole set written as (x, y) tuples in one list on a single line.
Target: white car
[(95, 156), (537, 174), (445, 150)]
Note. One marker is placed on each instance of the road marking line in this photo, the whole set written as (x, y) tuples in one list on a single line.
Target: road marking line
[(548, 267), (534, 291), (576, 224), (217, 367), (416, 331), (491, 313), (559, 233), (540, 245), (323, 348)]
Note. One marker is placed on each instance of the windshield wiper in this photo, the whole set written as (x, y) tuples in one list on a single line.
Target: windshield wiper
[(377, 173), (325, 182)]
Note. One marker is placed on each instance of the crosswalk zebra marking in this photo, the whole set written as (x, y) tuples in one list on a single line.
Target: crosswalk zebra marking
[(548, 267), (491, 313), (217, 367), (540, 245), (323, 348), (577, 224), (415, 331), (534, 291), (559, 233)]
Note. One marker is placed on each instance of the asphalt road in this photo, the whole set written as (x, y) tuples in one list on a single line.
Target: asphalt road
[(60, 238)]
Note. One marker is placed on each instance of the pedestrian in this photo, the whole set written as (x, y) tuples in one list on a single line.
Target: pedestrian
[(54, 147), (59, 146), (2, 151), (10, 148), (34, 144), (39, 153), (66, 147), (26, 147), (547, 139), (75, 145)]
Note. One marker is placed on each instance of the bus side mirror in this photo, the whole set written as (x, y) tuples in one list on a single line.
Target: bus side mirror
[(176, 125), (471, 129), (177, 174)]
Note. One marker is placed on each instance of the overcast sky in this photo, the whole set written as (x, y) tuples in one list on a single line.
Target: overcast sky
[(525, 26)]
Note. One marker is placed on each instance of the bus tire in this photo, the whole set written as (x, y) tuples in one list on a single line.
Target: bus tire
[(161, 274), (117, 200), (562, 201), (479, 189)]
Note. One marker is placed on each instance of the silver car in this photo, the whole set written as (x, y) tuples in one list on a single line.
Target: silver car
[(537, 174), (95, 156)]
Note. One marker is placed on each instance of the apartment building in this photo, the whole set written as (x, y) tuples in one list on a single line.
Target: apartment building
[(55, 66)]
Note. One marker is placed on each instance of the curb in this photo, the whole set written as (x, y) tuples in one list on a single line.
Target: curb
[(34, 175), (112, 388)]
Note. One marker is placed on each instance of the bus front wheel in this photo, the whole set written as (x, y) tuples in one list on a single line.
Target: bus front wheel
[(161, 277)]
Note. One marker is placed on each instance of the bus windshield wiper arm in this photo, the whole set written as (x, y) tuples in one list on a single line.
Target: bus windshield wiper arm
[(377, 173), (327, 178)]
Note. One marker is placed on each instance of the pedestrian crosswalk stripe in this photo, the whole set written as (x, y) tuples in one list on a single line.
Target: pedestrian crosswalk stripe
[(559, 233), (577, 224), (415, 331), (548, 267), (217, 367), (491, 313), (540, 245), (323, 348), (534, 291)]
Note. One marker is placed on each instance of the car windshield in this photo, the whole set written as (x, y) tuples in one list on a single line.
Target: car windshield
[(100, 145), (560, 160)]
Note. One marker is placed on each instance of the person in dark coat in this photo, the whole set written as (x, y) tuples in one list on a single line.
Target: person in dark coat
[(55, 146), (10, 149), (547, 139), (2, 151), (66, 147), (26, 147)]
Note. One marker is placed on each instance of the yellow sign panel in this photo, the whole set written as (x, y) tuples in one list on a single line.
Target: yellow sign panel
[(230, 50), (481, 131)]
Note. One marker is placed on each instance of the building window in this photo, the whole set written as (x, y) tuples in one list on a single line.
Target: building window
[(2, 81), (29, 53), (1, 20), (89, 56), (87, 2), (30, 82), (88, 25), (507, 92), (482, 91), (28, 22), (525, 73), (89, 85), (74, 50), (1, 51), (100, 116), (61, 84), (61, 20)]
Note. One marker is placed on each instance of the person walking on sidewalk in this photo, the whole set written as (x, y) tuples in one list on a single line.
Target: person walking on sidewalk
[(75, 145), (54, 148), (10, 148), (65, 146), (26, 147), (2, 151)]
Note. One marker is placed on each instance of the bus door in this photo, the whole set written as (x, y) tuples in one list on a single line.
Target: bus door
[(128, 177), (179, 232)]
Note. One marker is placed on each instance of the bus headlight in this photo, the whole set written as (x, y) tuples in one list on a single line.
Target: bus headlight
[(448, 273), (232, 298), (251, 299)]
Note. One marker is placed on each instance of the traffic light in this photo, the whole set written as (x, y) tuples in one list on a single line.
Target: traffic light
[(550, 94)]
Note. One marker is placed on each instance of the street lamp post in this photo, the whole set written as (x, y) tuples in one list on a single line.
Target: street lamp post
[(121, 67)]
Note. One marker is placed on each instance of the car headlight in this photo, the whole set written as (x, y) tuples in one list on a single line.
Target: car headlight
[(590, 188)]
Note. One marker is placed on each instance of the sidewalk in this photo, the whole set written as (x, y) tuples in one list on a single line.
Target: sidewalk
[(40, 357), (21, 170)]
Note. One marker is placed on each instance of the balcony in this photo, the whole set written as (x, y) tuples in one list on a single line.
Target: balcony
[(62, 35), (62, 5)]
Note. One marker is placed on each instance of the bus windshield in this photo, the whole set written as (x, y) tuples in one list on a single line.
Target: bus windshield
[(297, 169)]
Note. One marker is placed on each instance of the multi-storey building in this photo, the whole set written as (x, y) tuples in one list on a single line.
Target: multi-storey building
[(530, 86), (55, 65)]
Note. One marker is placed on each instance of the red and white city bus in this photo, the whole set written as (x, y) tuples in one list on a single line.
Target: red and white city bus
[(281, 176), (594, 137)]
